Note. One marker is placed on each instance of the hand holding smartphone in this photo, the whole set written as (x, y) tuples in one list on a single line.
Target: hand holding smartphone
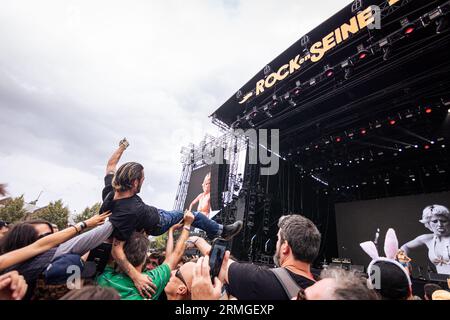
[(216, 255)]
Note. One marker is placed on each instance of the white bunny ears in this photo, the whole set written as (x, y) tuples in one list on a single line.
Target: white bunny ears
[(390, 250), (390, 246)]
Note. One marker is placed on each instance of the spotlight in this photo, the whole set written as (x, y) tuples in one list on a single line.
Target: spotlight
[(448, 110), (362, 52), (426, 147), (329, 71), (297, 90), (312, 82), (363, 131), (407, 27), (338, 139), (428, 110), (392, 122)]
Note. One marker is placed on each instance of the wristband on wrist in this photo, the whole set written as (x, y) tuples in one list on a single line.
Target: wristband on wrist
[(76, 229), (188, 228), (83, 225)]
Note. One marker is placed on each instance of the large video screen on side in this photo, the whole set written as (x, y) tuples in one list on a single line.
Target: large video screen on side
[(426, 236), (205, 189)]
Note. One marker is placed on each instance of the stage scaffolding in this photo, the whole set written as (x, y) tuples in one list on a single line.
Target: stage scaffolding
[(195, 156)]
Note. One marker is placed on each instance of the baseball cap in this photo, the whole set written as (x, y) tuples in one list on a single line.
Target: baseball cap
[(61, 268)]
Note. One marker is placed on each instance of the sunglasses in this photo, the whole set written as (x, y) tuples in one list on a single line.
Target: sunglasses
[(44, 235), (180, 276)]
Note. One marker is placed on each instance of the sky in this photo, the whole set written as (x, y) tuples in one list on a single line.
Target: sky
[(78, 76)]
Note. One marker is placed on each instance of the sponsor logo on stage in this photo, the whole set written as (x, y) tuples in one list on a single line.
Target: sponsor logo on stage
[(368, 18)]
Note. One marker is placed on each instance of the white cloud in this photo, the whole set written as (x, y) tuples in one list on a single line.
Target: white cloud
[(77, 76)]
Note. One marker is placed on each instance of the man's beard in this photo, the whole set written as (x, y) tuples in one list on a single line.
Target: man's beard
[(276, 259)]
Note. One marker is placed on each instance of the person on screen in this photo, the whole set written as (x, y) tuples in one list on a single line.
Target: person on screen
[(436, 218), (204, 198)]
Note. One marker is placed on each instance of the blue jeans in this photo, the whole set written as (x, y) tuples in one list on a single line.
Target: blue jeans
[(170, 218)]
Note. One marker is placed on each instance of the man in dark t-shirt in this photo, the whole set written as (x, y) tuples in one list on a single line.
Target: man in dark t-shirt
[(297, 247), (130, 213)]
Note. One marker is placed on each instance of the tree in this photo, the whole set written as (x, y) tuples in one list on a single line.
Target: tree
[(87, 213), (13, 210), (55, 213), (159, 242)]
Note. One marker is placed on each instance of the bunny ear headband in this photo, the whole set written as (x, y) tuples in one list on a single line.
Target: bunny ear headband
[(390, 249)]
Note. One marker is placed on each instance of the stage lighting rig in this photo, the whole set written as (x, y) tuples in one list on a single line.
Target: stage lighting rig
[(267, 70), (362, 52), (328, 71), (347, 66), (408, 27)]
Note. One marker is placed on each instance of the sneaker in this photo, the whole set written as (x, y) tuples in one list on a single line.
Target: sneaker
[(229, 231)]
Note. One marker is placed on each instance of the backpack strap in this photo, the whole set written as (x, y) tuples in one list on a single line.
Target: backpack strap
[(287, 282)]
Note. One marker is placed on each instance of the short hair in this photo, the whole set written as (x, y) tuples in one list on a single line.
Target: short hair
[(433, 210), (126, 174), (92, 293), (136, 248), (302, 236), (350, 285), (430, 288)]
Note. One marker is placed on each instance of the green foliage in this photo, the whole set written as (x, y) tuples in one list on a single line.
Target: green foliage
[(13, 210), (160, 242), (55, 213), (87, 213)]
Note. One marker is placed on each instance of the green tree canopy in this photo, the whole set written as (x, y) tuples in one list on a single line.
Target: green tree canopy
[(55, 213), (13, 211), (87, 213)]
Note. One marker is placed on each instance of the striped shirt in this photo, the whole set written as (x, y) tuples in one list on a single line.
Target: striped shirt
[(125, 287)]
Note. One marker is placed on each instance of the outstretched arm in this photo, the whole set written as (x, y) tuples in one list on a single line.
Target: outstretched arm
[(173, 259), (114, 159), (169, 245), (195, 201), (40, 246), (417, 242), (204, 247)]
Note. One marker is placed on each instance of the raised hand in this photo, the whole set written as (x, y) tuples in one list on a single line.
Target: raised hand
[(98, 219), (202, 288), (188, 218)]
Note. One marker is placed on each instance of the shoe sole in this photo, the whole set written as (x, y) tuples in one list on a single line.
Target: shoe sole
[(235, 233)]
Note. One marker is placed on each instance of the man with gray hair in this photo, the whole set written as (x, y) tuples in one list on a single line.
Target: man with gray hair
[(297, 247), (339, 284)]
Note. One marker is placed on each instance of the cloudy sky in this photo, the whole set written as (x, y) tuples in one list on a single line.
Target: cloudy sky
[(77, 76)]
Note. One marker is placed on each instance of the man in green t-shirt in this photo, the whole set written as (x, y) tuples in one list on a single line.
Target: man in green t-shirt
[(135, 249)]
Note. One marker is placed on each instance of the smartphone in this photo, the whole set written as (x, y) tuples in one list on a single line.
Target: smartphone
[(217, 253)]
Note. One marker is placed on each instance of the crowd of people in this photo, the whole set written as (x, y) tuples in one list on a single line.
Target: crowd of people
[(108, 257)]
